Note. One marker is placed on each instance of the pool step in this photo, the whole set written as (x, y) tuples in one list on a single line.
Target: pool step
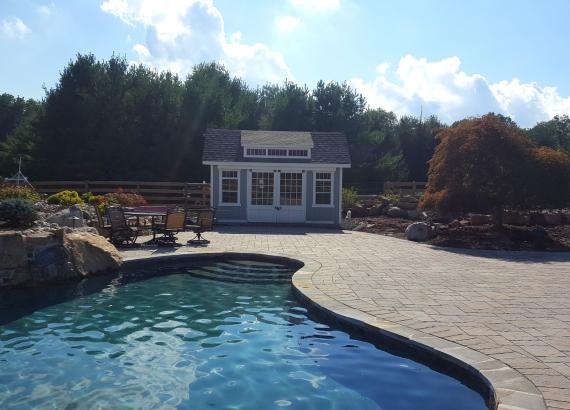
[(237, 277), (245, 274), (252, 268)]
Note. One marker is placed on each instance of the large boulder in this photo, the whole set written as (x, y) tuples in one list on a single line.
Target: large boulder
[(480, 219), (552, 218), (91, 254), (36, 256), (419, 232), (396, 212), (516, 218), (13, 258)]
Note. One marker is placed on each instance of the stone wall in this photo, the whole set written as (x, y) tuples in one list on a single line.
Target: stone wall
[(35, 257)]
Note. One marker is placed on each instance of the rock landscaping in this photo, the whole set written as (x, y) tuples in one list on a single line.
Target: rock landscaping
[(399, 217), (56, 242)]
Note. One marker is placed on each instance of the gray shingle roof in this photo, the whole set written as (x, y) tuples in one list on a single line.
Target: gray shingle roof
[(222, 145), (269, 138)]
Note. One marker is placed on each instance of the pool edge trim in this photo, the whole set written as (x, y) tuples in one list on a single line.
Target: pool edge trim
[(511, 389)]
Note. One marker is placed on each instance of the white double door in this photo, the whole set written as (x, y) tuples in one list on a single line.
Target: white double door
[(276, 196)]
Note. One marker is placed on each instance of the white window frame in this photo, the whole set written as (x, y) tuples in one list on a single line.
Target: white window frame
[(287, 152), (331, 204), (220, 193)]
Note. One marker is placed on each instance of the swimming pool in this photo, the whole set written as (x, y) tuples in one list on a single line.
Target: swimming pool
[(189, 338)]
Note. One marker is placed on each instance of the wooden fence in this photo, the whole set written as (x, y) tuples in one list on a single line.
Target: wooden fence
[(191, 195), (404, 188)]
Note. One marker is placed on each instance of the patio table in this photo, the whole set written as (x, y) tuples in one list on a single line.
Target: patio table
[(146, 213)]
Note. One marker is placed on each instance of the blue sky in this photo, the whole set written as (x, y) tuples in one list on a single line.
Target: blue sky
[(452, 58)]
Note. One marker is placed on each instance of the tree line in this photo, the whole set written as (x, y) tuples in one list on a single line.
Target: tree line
[(109, 120)]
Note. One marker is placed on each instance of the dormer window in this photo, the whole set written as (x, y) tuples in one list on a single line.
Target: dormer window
[(276, 153), (256, 152), (273, 152), (298, 153)]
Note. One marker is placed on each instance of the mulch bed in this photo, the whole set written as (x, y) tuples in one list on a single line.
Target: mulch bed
[(509, 237)]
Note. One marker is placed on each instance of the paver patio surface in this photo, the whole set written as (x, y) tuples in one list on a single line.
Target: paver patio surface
[(511, 306)]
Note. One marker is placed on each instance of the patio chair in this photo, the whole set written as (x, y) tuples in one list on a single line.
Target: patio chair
[(174, 223), (102, 227), (120, 233), (204, 222)]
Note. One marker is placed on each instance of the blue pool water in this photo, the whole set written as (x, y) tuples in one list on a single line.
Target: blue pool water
[(186, 341)]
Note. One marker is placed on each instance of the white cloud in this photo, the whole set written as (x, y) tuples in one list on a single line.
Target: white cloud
[(443, 89), (182, 33), (287, 24), (317, 6), (46, 9), (13, 27)]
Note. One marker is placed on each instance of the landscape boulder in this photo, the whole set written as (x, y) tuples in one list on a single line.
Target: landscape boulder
[(552, 218), (480, 219), (91, 254), (419, 232), (13, 258), (516, 218), (37, 256), (396, 212)]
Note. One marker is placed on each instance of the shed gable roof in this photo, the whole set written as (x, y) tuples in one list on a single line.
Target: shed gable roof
[(223, 145)]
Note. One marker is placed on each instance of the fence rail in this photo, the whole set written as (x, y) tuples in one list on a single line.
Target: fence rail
[(405, 188), (191, 195)]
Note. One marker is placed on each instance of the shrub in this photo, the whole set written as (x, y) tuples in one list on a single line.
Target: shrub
[(66, 198), (23, 192), (17, 212), (124, 198), (391, 197), (349, 197), (484, 165), (86, 197), (97, 200)]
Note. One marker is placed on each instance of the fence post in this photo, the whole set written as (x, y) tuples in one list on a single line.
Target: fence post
[(86, 186)]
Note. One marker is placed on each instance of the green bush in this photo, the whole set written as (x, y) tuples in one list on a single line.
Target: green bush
[(96, 200), (391, 197), (66, 198), (86, 197), (17, 213), (23, 192), (349, 197)]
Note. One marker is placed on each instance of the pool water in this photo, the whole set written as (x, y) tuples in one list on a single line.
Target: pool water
[(187, 341)]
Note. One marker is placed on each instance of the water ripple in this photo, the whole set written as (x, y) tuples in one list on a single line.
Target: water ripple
[(199, 343)]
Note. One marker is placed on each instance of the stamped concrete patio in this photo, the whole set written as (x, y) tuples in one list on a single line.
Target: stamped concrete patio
[(497, 311)]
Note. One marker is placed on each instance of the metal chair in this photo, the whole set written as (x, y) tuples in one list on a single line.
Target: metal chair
[(173, 224), (103, 228), (120, 232), (204, 222)]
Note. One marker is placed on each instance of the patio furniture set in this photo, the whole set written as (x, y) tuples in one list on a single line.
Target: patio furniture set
[(124, 225)]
